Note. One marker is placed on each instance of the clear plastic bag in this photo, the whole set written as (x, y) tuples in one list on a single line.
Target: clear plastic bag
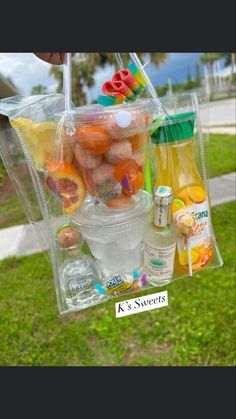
[(26, 142), (96, 171)]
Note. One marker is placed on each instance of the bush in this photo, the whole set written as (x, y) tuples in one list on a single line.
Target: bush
[(2, 172)]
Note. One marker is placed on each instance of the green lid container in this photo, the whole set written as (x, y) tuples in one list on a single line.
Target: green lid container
[(178, 127)]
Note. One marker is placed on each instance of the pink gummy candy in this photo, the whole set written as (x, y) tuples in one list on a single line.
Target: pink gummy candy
[(118, 151), (86, 159), (103, 172), (139, 157)]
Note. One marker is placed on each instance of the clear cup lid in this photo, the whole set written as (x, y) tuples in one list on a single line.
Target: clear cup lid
[(93, 215), (95, 114), (123, 120)]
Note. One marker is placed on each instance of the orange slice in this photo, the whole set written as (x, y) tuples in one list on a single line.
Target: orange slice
[(177, 205), (65, 181), (184, 197)]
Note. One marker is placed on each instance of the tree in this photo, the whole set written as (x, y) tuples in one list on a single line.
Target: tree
[(86, 64), (209, 58), (198, 76), (162, 90), (39, 90), (11, 82), (227, 56), (188, 75), (229, 59)]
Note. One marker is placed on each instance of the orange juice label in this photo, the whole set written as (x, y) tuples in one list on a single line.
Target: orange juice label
[(190, 210)]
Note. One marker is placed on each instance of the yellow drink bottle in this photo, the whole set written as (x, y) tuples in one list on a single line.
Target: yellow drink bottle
[(177, 167)]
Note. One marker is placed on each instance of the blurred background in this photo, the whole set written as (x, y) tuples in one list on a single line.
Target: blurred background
[(197, 327), (213, 74)]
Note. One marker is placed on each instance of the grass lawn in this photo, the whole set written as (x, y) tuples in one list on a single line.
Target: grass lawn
[(222, 154), (197, 328), (12, 212)]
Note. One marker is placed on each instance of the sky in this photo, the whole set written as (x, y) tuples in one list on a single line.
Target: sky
[(26, 71)]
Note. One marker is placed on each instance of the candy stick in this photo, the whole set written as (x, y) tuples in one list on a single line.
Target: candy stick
[(109, 100), (122, 88), (128, 78), (189, 258), (137, 74), (109, 88), (147, 176), (124, 182), (144, 279), (148, 83)]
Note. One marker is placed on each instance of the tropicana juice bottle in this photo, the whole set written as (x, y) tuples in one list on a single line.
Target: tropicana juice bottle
[(177, 167)]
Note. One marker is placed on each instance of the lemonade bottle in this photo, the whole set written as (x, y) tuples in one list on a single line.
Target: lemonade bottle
[(177, 167)]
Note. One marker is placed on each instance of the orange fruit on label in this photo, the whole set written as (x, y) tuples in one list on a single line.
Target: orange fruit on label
[(184, 197), (64, 180), (177, 205), (94, 139), (197, 194)]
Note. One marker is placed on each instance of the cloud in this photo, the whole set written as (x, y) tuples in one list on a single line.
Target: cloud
[(26, 71)]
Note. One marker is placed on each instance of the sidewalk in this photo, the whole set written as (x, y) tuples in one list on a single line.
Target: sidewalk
[(221, 130), (21, 240)]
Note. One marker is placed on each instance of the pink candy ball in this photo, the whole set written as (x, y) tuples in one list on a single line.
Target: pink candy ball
[(139, 157), (103, 172), (85, 159), (118, 151)]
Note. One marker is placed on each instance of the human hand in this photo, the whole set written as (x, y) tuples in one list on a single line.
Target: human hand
[(51, 57)]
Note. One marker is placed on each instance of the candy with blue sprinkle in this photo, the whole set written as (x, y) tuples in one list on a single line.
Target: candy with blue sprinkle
[(99, 288)]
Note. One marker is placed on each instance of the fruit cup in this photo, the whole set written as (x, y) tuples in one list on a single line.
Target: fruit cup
[(114, 236), (109, 148)]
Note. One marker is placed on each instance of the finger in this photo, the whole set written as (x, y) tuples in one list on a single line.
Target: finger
[(51, 57)]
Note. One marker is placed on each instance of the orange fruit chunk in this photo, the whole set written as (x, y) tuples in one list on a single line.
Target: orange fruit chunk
[(135, 184), (128, 168), (94, 139), (138, 140), (127, 172), (119, 202), (64, 180)]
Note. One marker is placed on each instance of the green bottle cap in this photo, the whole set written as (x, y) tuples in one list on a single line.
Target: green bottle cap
[(178, 127)]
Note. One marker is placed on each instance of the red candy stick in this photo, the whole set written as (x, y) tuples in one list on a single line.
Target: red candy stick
[(110, 89), (128, 78), (124, 89)]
